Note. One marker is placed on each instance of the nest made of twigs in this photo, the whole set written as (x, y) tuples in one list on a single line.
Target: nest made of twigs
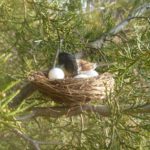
[(74, 91)]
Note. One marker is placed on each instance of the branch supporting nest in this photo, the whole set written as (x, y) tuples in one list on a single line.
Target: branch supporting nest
[(71, 111), (102, 110), (25, 92)]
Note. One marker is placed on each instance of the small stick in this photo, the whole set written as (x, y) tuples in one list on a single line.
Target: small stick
[(57, 52)]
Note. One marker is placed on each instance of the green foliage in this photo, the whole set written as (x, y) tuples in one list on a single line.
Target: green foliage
[(30, 34)]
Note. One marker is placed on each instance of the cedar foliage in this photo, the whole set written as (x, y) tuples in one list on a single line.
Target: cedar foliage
[(30, 34)]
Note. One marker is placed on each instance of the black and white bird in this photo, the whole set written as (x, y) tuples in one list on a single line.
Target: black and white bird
[(75, 67), (68, 63)]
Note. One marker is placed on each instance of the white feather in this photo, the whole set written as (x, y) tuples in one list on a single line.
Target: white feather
[(87, 74), (56, 73), (90, 73), (81, 76)]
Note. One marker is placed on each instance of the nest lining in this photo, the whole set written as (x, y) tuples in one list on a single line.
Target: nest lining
[(74, 91)]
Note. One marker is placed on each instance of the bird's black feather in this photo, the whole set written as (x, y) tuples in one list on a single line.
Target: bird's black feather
[(69, 62)]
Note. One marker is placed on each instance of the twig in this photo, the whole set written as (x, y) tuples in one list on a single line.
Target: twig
[(58, 49), (97, 44), (25, 9), (36, 144), (137, 109)]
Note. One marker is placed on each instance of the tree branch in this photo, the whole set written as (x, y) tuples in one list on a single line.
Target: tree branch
[(59, 111), (25, 92), (97, 44), (137, 109)]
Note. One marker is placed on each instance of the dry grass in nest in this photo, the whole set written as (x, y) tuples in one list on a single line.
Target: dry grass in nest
[(74, 91)]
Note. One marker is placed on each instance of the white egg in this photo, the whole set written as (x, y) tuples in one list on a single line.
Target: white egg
[(81, 76), (56, 73), (90, 73)]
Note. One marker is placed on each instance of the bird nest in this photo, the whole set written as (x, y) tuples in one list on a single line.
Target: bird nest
[(71, 91)]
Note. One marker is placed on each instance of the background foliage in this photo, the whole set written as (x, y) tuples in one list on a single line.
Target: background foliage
[(30, 34)]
